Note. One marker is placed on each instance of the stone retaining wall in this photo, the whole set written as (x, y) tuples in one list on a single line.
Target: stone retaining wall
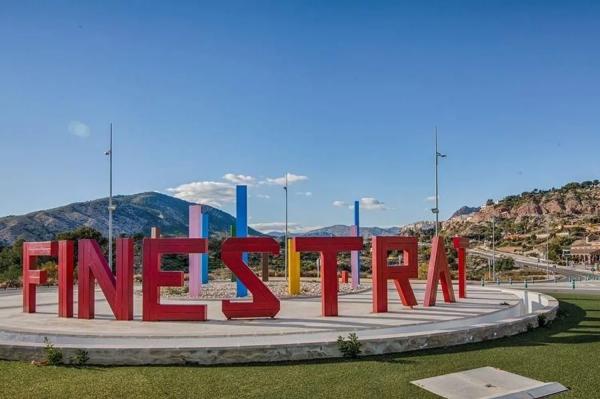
[(535, 305)]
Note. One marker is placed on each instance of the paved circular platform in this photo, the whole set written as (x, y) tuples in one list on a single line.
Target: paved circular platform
[(298, 332)]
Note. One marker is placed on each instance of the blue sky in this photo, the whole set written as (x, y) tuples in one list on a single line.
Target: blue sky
[(344, 94)]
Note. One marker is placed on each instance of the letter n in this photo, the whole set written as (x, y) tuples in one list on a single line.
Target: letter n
[(438, 271), (94, 267), (382, 272)]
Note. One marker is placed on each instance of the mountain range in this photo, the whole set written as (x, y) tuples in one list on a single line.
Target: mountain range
[(138, 213), (340, 230), (134, 214), (576, 204)]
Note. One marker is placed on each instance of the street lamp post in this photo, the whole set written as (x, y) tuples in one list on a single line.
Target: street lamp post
[(286, 224), (111, 207), (436, 210), (493, 248), (547, 245)]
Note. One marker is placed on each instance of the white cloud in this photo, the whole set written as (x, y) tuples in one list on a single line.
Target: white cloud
[(340, 204), (239, 179), (294, 228), (263, 196), (431, 198), (205, 192), (79, 129), (372, 204), (304, 193), (366, 203), (280, 181)]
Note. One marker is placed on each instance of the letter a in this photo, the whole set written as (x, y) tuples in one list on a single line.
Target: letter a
[(438, 270)]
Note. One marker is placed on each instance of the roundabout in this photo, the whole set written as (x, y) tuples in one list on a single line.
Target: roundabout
[(299, 332)]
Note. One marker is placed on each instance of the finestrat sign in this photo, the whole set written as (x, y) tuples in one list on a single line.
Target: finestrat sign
[(118, 289)]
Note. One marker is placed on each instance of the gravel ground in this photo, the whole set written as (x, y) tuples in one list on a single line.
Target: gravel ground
[(227, 289)]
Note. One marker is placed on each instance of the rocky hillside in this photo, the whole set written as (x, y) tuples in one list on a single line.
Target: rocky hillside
[(574, 206), (465, 210), (134, 214)]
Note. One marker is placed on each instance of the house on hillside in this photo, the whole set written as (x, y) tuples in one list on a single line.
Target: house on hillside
[(586, 251)]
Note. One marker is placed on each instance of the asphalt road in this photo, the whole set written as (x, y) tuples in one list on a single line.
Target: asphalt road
[(526, 261)]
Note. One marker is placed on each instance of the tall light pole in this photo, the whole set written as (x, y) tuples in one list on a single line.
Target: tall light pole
[(436, 210), (493, 248), (111, 207), (547, 245), (286, 224)]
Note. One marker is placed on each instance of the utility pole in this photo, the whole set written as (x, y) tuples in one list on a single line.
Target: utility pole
[(436, 210), (493, 248), (286, 224), (111, 207), (547, 245)]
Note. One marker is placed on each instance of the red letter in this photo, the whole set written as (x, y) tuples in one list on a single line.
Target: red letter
[(33, 277), (65, 279), (382, 272), (328, 247), (154, 278), (264, 303), (93, 266), (461, 244), (438, 270)]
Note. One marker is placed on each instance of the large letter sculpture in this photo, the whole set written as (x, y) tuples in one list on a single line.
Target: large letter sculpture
[(93, 267), (461, 244), (382, 272), (154, 278), (65, 278), (33, 277), (264, 303), (328, 247), (438, 270)]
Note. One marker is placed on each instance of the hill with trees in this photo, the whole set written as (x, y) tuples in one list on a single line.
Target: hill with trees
[(135, 214)]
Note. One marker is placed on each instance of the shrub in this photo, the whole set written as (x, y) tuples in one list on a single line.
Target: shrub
[(54, 356), (11, 278), (80, 358), (350, 347), (543, 321)]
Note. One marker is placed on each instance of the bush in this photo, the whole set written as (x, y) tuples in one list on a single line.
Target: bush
[(351, 347), (505, 264), (80, 358), (51, 268), (11, 278), (543, 321), (54, 356)]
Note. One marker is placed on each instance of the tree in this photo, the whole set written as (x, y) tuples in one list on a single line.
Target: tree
[(505, 263), (83, 233)]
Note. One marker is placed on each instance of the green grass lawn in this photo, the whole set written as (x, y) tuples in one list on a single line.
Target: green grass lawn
[(567, 352)]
